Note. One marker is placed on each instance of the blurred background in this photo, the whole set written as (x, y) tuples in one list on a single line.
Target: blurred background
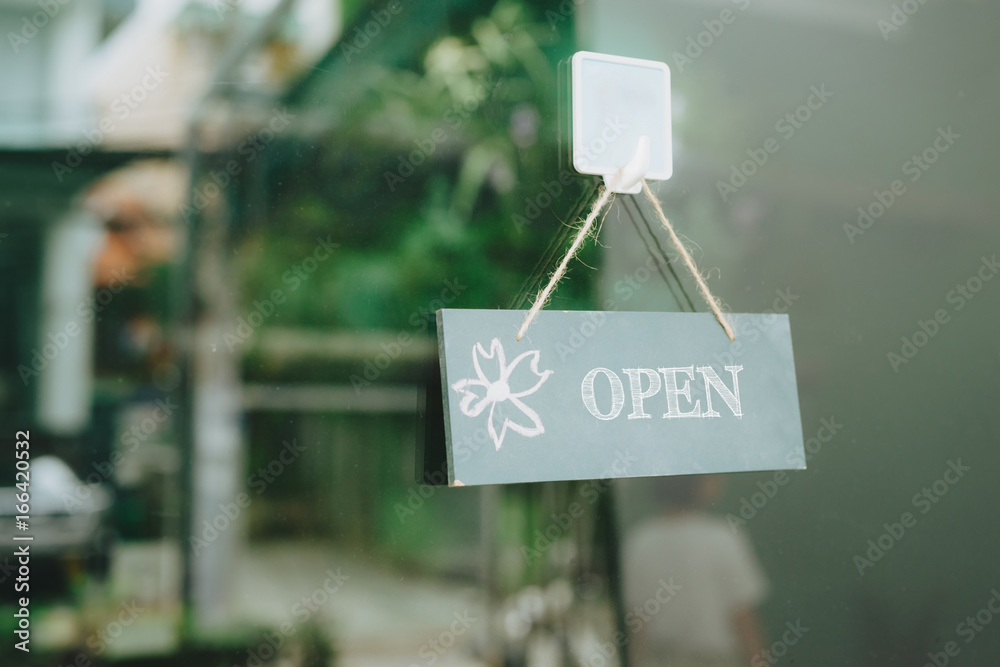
[(225, 226)]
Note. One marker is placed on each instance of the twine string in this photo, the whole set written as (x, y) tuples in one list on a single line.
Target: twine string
[(602, 200), (713, 302), (660, 256), (560, 271), (553, 248)]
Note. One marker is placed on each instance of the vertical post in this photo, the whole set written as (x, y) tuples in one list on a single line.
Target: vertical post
[(489, 498), (66, 340), (217, 449)]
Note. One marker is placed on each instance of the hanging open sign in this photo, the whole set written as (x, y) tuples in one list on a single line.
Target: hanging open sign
[(590, 395)]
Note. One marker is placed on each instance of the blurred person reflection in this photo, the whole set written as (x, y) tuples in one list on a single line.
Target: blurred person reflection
[(709, 616)]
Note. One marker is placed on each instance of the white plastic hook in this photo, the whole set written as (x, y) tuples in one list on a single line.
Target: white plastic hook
[(628, 179)]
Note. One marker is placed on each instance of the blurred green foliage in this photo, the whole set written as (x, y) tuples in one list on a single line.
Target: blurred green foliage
[(421, 178)]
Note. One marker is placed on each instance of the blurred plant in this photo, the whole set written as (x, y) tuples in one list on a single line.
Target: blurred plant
[(418, 178)]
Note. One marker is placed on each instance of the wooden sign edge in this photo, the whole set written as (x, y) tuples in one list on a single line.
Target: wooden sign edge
[(452, 482)]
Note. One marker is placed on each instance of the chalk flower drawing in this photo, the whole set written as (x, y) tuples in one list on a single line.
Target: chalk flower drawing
[(479, 393)]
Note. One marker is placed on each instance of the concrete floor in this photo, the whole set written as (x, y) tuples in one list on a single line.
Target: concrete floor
[(376, 617)]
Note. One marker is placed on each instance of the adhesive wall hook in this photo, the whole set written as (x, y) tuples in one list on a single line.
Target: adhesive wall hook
[(628, 179)]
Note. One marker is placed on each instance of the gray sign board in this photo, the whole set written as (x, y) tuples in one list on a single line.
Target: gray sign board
[(594, 395)]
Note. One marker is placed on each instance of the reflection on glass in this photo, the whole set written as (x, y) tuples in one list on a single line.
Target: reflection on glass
[(691, 584)]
